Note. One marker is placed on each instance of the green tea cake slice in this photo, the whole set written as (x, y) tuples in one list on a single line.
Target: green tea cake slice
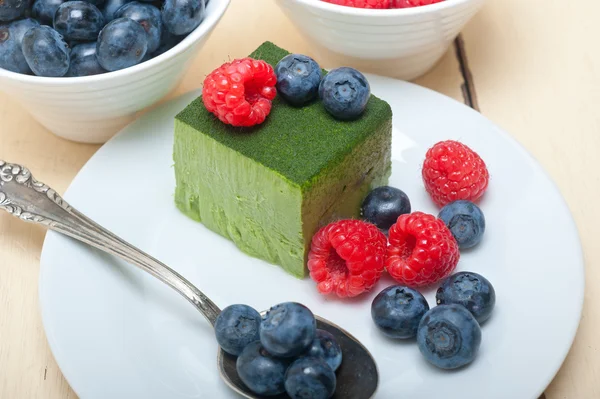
[(269, 188)]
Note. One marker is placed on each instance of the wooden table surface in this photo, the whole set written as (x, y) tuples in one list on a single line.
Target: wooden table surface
[(532, 67)]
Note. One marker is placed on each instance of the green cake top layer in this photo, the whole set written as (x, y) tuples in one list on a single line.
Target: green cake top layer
[(295, 142)]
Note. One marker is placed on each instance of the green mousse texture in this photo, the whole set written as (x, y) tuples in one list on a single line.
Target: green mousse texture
[(269, 188)]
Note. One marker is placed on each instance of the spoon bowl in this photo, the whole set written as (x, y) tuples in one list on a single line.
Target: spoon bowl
[(357, 376), (22, 196)]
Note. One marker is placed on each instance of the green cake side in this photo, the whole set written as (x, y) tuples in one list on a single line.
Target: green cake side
[(269, 188)]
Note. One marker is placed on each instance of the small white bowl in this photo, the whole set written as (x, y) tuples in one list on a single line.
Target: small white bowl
[(92, 109), (401, 43)]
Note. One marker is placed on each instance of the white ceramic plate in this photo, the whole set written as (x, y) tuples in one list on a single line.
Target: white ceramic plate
[(118, 333)]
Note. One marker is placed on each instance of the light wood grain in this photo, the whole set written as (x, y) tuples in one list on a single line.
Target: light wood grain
[(527, 78), (536, 71)]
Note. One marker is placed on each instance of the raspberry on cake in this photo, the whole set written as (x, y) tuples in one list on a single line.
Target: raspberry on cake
[(269, 188), (240, 92)]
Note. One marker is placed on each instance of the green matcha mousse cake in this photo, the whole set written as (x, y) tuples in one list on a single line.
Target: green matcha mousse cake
[(271, 187)]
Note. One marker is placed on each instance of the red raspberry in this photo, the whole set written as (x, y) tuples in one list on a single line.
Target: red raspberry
[(239, 93), (422, 250), (361, 3), (412, 3), (347, 257), (452, 171)]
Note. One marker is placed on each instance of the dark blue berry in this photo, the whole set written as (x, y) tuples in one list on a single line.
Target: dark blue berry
[(44, 10), (121, 44), (12, 9), (167, 42), (262, 373), (298, 78), (345, 93), (46, 52), (84, 61), (326, 347), (310, 377), (383, 205), (449, 336), (470, 290), (237, 326), (182, 16), (78, 20), (20, 27), (466, 222), (287, 329), (146, 15), (111, 7), (397, 311), (11, 38), (97, 3)]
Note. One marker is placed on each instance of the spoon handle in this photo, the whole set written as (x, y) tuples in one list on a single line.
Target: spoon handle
[(24, 197)]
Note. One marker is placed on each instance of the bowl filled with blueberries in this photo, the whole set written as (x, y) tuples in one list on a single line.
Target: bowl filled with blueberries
[(83, 69)]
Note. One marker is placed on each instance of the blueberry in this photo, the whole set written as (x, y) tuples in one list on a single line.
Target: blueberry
[(262, 373), (298, 78), (111, 7), (44, 10), (466, 222), (326, 347), (20, 27), (383, 205), (449, 336), (310, 377), (182, 16), (397, 311), (84, 61), (287, 329), (97, 3), (345, 93), (78, 20), (236, 327), (12, 9), (121, 44), (11, 38), (470, 290), (167, 42), (46, 52), (149, 17)]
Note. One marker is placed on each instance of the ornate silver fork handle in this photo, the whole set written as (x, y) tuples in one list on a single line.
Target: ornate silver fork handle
[(24, 197)]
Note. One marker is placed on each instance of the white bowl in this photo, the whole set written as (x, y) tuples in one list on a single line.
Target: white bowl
[(401, 43), (92, 109)]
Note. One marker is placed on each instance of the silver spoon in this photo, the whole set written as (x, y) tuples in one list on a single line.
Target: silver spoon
[(24, 197)]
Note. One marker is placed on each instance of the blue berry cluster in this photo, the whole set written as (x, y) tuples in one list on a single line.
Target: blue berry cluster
[(448, 335), (280, 352), (344, 91), (55, 38)]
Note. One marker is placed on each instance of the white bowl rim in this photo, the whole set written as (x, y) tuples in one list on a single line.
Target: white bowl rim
[(392, 12), (209, 22)]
